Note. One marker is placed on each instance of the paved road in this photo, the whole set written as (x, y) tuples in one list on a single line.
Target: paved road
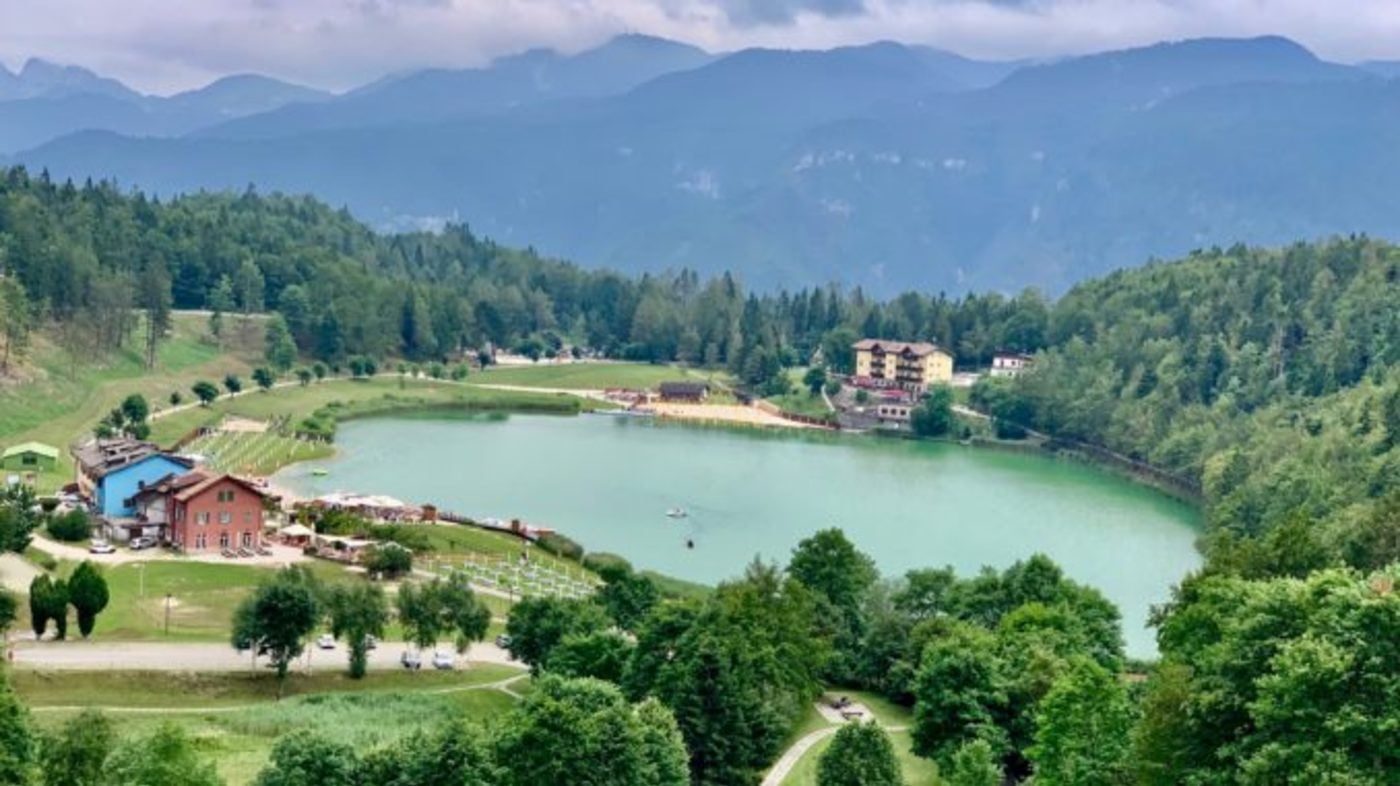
[(161, 656)]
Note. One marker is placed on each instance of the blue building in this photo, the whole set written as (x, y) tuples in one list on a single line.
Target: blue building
[(113, 491)]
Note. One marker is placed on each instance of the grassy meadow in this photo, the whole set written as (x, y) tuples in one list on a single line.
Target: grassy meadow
[(591, 376), (235, 718), (917, 771), (59, 398)]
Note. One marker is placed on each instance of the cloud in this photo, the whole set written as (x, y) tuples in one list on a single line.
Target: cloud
[(772, 12), (164, 45)]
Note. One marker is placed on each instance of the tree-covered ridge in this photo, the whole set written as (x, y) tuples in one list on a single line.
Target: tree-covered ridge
[(86, 255), (1267, 377)]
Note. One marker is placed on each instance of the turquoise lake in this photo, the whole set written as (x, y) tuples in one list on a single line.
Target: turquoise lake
[(607, 482)]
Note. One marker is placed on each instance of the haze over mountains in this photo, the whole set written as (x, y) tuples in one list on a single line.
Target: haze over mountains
[(886, 165)]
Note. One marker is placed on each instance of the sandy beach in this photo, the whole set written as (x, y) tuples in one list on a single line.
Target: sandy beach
[(722, 413)]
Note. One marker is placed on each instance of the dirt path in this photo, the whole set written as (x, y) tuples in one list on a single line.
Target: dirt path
[(16, 573), (162, 656), (793, 755), (782, 768)]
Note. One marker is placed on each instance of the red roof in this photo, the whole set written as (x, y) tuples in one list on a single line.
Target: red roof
[(189, 491)]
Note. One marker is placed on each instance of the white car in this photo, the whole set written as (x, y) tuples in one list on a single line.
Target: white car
[(326, 642), (411, 660), (444, 661), (138, 544), (101, 547)]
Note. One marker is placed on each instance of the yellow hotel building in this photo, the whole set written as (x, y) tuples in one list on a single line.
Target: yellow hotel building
[(900, 364)]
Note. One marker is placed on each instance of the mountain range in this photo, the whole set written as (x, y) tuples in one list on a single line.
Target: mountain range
[(886, 165)]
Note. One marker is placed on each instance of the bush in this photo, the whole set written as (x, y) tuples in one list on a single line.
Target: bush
[(409, 536), (600, 561), (43, 559), (389, 560), (560, 546), (1007, 430), (321, 425), (71, 527)]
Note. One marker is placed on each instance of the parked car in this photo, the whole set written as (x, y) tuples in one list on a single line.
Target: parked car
[(140, 543), (503, 641), (411, 660), (371, 643), (101, 547), (326, 642), (444, 661)]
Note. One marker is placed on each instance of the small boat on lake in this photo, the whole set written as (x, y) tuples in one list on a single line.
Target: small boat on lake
[(320, 473), (676, 513)]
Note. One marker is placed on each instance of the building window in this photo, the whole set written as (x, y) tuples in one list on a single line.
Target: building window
[(225, 518), (200, 542), (223, 540), (247, 539), (201, 518)]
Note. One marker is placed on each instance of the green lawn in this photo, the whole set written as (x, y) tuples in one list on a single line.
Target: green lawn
[(62, 399), (376, 711), (591, 376), (917, 771), (357, 398), (192, 690), (802, 402), (203, 597)]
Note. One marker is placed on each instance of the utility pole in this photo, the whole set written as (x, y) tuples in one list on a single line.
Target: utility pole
[(167, 613)]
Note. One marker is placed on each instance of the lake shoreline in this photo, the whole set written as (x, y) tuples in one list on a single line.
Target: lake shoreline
[(585, 404), (913, 503)]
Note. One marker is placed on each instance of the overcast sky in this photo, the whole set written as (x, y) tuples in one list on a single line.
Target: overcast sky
[(166, 45)]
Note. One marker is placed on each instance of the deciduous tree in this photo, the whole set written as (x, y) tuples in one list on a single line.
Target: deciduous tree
[(1082, 727), (166, 757), (357, 611), (277, 618), (859, 755), (304, 758), (76, 753)]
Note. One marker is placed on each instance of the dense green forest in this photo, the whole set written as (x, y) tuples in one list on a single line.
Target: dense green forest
[(86, 255), (1266, 378), (1261, 378)]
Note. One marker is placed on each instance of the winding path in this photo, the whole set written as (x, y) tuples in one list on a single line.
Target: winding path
[(782, 768)]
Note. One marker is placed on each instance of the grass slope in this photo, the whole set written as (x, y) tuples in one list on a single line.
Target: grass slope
[(917, 771), (591, 376), (61, 398), (365, 714)]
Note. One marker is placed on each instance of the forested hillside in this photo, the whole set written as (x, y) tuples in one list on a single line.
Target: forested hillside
[(1268, 378), (86, 255)]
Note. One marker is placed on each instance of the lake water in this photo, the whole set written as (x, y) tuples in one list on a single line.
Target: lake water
[(607, 482)]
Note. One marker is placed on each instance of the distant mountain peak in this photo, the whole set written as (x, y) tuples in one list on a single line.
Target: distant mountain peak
[(40, 78)]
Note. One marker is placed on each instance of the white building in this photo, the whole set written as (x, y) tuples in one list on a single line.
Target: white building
[(1010, 364)]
